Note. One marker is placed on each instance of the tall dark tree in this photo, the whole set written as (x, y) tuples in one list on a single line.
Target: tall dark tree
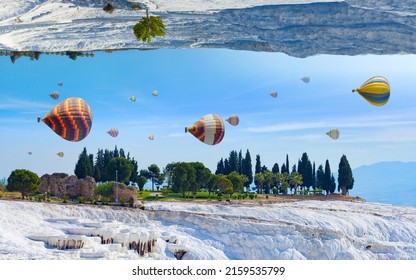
[(227, 167), (99, 166), (305, 168), (202, 174), (257, 168), (345, 178), (313, 176), (275, 168), (183, 178), (154, 174), (287, 163), (116, 152), (233, 162), (294, 168), (85, 166), (220, 167), (168, 172), (284, 169), (141, 181), (24, 181), (240, 162), (108, 155), (122, 154), (134, 171), (247, 170), (332, 185), (320, 177), (327, 178)]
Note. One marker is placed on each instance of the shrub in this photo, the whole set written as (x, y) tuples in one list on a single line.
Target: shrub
[(105, 200), (251, 196), (108, 8), (65, 199), (122, 201), (81, 199)]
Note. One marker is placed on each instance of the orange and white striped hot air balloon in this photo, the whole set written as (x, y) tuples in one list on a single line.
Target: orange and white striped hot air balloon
[(209, 129)]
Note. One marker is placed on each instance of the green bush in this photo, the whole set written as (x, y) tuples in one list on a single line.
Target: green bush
[(143, 194), (122, 201), (81, 199), (105, 200), (105, 189)]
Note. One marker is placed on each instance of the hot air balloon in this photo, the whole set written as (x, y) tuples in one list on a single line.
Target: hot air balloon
[(155, 93), (233, 120), (333, 133), (113, 132), (152, 137), (60, 84), (60, 154), (71, 119), (306, 79), (133, 98), (29, 153), (209, 129), (375, 90), (274, 94), (54, 95)]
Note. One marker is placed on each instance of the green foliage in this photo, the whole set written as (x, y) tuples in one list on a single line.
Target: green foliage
[(184, 177), (121, 168), (105, 189), (149, 27), (24, 181), (141, 181), (108, 8), (85, 165), (143, 194), (81, 199), (105, 200), (345, 178)]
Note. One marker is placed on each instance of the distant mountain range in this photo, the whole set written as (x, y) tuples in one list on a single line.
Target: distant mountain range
[(386, 182)]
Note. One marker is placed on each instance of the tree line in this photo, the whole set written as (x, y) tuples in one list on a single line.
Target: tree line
[(233, 174)]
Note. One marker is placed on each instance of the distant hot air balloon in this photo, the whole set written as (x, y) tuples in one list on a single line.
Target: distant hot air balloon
[(233, 120), (274, 94), (60, 154), (29, 153), (133, 98), (333, 133), (71, 119), (60, 84), (209, 129), (306, 79), (113, 132), (152, 137), (375, 90), (155, 93), (54, 95)]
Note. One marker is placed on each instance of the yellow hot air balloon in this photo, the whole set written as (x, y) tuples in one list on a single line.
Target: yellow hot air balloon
[(60, 154), (375, 90), (209, 129), (333, 133)]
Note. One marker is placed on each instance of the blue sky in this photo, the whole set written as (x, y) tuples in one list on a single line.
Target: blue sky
[(195, 82)]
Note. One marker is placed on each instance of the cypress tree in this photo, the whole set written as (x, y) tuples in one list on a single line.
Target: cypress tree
[(327, 178), (275, 168), (220, 167), (248, 170), (320, 181), (240, 162), (257, 168), (83, 166), (287, 163), (233, 162), (345, 178)]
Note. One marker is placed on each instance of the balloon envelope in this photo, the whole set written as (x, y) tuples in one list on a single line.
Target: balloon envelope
[(155, 93), (113, 132), (333, 133), (233, 120), (71, 119), (61, 154), (133, 98), (54, 95), (151, 137), (274, 94), (306, 79), (60, 84), (209, 129), (375, 90)]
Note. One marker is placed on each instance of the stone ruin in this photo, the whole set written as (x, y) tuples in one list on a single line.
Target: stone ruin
[(60, 184)]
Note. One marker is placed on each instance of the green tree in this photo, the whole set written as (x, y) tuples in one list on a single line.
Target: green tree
[(247, 170), (237, 180), (148, 27), (24, 181), (233, 162), (257, 168), (327, 178), (183, 178), (259, 181), (168, 172), (296, 180), (220, 167), (345, 178), (105, 189), (320, 177), (268, 180), (202, 173), (305, 169), (119, 169), (85, 165), (224, 184), (154, 174), (141, 181), (275, 168)]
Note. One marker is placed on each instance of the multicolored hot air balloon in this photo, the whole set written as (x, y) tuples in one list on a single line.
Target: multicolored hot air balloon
[(375, 90), (71, 119), (155, 93), (54, 95), (233, 120), (60, 84), (274, 94), (305, 79), (133, 98), (113, 132), (152, 137), (209, 129), (60, 154), (333, 133)]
